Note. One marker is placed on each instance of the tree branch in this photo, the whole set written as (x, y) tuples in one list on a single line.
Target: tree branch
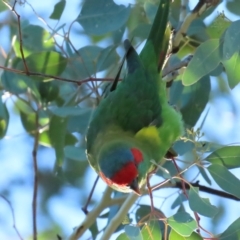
[(122, 212), (35, 187), (91, 216), (13, 216), (199, 9)]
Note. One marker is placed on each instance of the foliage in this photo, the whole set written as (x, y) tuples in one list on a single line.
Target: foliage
[(55, 85)]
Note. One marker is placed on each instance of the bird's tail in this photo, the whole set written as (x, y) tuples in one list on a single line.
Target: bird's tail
[(155, 49)]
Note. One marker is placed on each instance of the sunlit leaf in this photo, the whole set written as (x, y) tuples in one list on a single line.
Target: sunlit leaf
[(227, 156), (122, 236), (152, 230), (35, 39), (175, 236), (232, 67), (15, 83), (218, 26), (182, 223), (50, 62), (57, 132), (4, 119), (205, 59)]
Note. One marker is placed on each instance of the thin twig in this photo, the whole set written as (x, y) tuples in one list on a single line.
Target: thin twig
[(90, 196), (20, 36), (35, 188), (13, 216), (78, 82)]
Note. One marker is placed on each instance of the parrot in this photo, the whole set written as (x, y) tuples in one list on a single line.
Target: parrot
[(134, 124)]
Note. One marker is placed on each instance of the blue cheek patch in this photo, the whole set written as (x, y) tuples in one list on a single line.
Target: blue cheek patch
[(114, 160)]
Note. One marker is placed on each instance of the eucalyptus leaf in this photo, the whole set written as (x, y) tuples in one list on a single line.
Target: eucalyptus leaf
[(232, 67), (58, 10), (201, 205), (227, 156), (4, 119), (109, 17), (232, 232), (231, 42), (133, 232), (35, 39), (225, 179), (75, 153), (57, 133), (206, 58), (182, 223)]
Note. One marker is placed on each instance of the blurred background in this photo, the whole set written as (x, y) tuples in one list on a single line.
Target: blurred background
[(60, 199)]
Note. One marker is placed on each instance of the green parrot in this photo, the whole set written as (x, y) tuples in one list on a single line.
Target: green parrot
[(135, 124)]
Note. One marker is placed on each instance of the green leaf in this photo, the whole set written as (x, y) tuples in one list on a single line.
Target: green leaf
[(58, 10), (227, 156), (44, 139), (225, 179), (80, 122), (151, 230), (3, 6), (133, 232), (99, 17), (90, 60), (232, 67), (4, 119), (205, 59), (28, 121), (15, 83), (51, 63), (142, 31), (218, 26), (232, 232), (57, 133), (179, 200), (23, 106), (175, 236), (197, 30), (182, 223), (231, 42), (35, 39), (122, 236), (150, 10), (182, 147), (202, 171), (233, 6), (106, 58), (201, 205), (191, 99), (49, 91), (75, 153)]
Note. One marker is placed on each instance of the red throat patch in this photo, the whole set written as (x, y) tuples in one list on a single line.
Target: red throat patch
[(138, 157), (126, 175)]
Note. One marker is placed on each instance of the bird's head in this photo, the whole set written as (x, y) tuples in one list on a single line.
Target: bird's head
[(119, 167)]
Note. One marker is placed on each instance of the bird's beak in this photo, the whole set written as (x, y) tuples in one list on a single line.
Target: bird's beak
[(134, 186)]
